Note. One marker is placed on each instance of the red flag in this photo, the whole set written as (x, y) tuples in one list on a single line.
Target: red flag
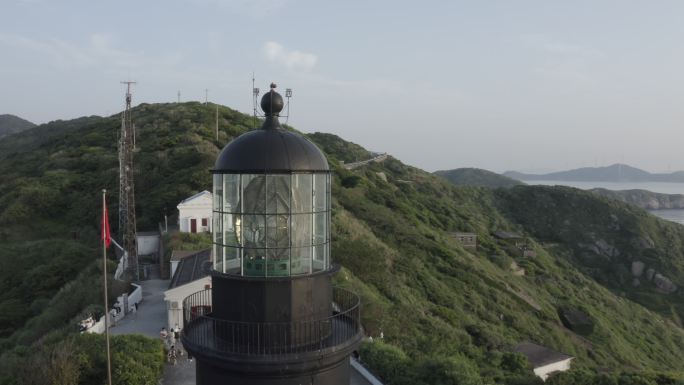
[(106, 236)]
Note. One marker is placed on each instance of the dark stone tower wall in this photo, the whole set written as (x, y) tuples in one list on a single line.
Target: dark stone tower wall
[(260, 299), (337, 374)]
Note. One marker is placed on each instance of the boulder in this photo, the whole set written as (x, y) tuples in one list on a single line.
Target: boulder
[(638, 268), (636, 282), (649, 274), (576, 320), (664, 284)]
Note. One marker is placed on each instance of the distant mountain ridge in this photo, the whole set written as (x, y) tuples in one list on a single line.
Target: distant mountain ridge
[(477, 177), (614, 173), (11, 124)]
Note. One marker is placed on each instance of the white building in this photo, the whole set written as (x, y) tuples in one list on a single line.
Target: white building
[(194, 213), (544, 361), (190, 276)]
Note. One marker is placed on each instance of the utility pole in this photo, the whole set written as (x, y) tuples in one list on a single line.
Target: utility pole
[(105, 238), (206, 96), (178, 96), (217, 123), (127, 222)]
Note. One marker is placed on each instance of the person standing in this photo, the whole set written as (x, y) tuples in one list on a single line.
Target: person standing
[(171, 339), (163, 334)]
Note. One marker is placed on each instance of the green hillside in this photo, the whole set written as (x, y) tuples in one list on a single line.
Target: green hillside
[(448, 315), (477, 177), (10, 124)]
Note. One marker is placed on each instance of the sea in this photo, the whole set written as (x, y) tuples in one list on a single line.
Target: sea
[(674, 215)]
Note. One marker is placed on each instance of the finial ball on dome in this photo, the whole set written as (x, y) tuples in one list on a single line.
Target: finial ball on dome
[(272, 103)]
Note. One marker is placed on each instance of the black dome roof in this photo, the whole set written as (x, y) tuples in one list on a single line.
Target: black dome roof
[(270, 149)]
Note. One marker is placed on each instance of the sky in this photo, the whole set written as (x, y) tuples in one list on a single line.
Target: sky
[(502, 85)]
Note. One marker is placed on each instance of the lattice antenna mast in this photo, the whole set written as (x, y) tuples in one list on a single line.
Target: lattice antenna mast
[(127, 222), (255, 98)]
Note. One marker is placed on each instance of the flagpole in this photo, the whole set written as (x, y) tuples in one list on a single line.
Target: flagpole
[(104, 277)]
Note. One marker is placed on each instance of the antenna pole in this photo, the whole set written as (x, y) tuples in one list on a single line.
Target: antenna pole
[(206, 96), (288, 95), (255, 96), (106, 300), (178, 96), (217, 123), (127, 220)]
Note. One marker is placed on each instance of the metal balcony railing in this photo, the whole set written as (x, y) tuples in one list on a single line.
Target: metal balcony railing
[(204, 332)]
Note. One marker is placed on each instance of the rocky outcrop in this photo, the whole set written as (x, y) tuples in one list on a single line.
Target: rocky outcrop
[(601, 247), (664, 284), (661, 282)]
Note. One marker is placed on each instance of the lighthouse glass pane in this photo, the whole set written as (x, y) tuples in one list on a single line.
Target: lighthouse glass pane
[(320, 193), (301, 193), (253, 199), (218, 235), (218, 191), (231, 192), (320, 228), (301, 230), (254, 231), (278, 194), (230, 236), (231, 258), (277, 231), (218, 258), (300, 260), (319, 257)]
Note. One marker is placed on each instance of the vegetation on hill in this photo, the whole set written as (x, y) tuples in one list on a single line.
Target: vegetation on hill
[(477, 177), (447, 314), (10, 124), (81, 359), (645, 199), (613, 242)]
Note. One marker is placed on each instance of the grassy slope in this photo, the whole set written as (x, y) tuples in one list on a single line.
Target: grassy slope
[(426, 294), (424, 282)]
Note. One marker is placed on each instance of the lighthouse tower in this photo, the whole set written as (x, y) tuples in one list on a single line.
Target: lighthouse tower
[(272, 316)]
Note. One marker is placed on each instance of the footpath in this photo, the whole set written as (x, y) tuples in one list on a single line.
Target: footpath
[(148, 321)]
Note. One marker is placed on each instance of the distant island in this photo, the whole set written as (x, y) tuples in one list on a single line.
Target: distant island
[(11, 124), (614, 173)]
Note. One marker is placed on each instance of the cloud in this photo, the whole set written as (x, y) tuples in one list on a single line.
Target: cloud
[(293, 60), (61, 53), (255, 9), (98, 50)]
